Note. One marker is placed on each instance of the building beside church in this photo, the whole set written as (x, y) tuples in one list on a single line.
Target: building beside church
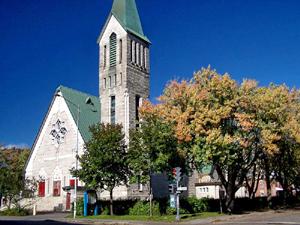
[(124, 71)]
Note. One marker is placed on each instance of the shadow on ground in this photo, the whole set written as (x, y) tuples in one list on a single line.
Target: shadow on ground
[(33, 222)]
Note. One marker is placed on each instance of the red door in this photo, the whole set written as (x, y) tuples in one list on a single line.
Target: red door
[(68, 203)]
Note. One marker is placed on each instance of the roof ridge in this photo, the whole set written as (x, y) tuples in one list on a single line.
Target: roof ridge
[(74, 90)]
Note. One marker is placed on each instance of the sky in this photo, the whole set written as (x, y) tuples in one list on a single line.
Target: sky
[(45, 43)]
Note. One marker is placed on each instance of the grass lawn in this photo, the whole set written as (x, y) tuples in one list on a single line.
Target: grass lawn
[(164, 218)]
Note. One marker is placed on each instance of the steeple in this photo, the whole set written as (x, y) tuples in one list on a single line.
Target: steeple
[(124, 65), (125, 11)]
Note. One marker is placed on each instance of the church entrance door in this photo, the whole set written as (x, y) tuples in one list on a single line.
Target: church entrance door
[(68, 203)]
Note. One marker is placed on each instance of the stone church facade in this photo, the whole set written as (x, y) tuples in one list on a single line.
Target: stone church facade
[(124, 70)]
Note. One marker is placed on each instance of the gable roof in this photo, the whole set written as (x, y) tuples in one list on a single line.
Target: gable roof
[(125, 11), (89, 109), (90, 113)]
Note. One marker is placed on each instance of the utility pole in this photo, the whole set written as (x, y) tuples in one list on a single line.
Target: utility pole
[(77, 149), (178, 177)]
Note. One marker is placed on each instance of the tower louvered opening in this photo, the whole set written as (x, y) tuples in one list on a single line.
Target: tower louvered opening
[(113, 49)]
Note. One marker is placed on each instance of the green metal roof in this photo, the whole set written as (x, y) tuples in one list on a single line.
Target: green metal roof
[(206, 169), (125, 11), (89, 107)]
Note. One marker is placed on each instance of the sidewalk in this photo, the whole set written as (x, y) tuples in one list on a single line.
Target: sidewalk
[(209, 220)]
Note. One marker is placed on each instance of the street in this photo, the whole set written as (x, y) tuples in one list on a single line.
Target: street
[(291, 217)]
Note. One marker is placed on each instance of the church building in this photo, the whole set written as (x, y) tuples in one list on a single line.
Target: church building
[(124, 71)]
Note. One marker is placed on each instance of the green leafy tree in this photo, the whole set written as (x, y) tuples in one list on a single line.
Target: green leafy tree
[(103, 165), (152, 149)]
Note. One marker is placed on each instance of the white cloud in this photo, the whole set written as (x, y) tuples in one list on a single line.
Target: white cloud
[(20, 145)]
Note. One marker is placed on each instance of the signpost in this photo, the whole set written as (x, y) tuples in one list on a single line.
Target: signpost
[(179, 189), (175, 190)]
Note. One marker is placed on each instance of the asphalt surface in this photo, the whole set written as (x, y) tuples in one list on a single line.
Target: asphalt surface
[(289, 217)]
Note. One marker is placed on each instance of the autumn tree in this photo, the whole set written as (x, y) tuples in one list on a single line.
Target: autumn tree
[(213, 124), (103, 164), (278, 116), (13, 185), (246, 132)]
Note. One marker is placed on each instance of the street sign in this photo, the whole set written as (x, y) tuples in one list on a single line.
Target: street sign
[(182, 189), (172, 201)]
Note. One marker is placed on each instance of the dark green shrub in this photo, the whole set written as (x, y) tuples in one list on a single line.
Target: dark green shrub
[(15, 212), (198, 205), (142, 208), (79, 207), (121, 207)]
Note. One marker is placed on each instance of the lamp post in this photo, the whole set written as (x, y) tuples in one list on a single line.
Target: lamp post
[(76, 151)]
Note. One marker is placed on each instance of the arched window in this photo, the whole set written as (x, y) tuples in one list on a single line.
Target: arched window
[(142, 55), (104, 56), (137, 58), (132, 51), (112, 49), (120, 51), (145, 58)]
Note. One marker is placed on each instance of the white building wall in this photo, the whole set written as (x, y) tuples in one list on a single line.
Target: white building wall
[(212, 191), (51, 161)]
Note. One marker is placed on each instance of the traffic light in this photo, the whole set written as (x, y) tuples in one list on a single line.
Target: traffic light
[(178, 173), (172, 188), (174, 173)]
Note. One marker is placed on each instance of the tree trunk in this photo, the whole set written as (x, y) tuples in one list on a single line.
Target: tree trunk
[(111, 202), (268, 182), (256, 186), (230, 197), (9, 202)]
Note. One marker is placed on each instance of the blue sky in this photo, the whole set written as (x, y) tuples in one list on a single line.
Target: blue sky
[(47, 43)]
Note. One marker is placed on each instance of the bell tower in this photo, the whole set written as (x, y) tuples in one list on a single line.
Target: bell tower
[(124, 67)]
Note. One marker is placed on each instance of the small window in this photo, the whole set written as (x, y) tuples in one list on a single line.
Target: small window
[(112, 109), (121, 78), (120, 51), (41, 189), (56, 188), (115, 79), (104, 83), (109, 81), (72, 183)]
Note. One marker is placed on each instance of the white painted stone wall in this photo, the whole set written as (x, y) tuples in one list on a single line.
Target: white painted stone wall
[(50, 161)]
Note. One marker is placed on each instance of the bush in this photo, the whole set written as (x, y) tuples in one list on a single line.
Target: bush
[(79, 207), (121, 207), (197, 205), (142, 208), (15, 212)]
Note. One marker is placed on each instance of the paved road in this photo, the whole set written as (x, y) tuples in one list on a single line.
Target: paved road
[(291, 217)]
